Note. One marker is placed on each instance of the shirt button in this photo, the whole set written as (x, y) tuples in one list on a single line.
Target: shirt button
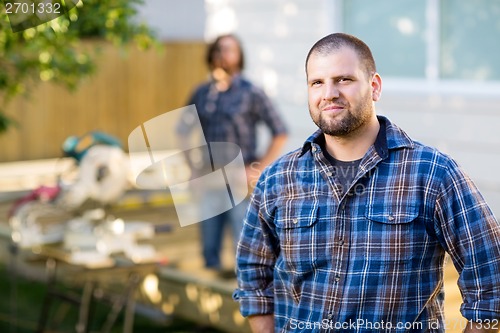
[(329, 174), (391, 217), (341, 242), (295, 221), (337, 278), (314, 149), (330, 316)]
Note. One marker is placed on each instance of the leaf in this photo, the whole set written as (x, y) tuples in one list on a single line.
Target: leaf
[(6, 122), (24, 59)]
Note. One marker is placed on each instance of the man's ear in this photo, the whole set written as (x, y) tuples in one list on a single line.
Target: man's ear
[(376, 87)]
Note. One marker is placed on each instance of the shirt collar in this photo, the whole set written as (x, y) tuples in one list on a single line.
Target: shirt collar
[(389, 137)]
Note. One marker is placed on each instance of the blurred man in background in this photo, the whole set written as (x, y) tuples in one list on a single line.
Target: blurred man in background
[(230, 108)]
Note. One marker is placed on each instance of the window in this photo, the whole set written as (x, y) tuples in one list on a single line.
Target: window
[(394, 30), (433, 39), (470, 39)]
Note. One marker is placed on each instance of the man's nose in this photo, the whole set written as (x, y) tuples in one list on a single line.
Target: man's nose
[(331, 91)]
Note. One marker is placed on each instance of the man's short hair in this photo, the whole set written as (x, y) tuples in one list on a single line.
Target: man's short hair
[(213, 49), (336, 41)]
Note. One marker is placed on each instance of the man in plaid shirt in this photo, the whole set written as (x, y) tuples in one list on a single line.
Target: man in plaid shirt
[(230, 109), (349, 232)]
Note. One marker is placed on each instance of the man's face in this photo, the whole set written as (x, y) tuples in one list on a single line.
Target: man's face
[(229, 55), (341, 93)]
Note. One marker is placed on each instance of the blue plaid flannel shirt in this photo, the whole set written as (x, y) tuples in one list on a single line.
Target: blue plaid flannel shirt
[(369, 260)]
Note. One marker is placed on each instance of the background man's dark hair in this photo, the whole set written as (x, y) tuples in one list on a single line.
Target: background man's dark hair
[(336, 41), (214, 48)]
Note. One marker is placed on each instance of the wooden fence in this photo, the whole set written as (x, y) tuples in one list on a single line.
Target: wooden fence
[(129, 87)]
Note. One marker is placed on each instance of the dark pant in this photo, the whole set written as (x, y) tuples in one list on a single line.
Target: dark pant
[(212, 233)]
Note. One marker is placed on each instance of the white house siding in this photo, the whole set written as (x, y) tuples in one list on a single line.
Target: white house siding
[(175, 20), (276, 36)]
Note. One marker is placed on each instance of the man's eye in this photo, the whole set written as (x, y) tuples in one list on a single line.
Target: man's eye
[(315, 83), (345, 79)]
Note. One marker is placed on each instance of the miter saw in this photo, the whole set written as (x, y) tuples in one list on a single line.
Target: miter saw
[(75, 214)]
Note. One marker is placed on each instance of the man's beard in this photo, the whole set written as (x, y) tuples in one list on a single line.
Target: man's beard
[(346, 123)]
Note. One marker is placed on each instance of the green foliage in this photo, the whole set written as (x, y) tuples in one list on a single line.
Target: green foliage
[(53, 52)]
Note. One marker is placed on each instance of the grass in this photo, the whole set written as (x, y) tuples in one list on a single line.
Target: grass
[(21, 301)]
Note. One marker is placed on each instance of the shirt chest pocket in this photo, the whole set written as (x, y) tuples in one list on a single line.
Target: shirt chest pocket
[(300, 236), (392, 234)]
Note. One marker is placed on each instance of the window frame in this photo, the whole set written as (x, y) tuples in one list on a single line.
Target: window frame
[(432, 82)]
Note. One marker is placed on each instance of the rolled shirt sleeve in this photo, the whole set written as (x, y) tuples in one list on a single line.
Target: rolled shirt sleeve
[(267, 113), (471, 235)]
